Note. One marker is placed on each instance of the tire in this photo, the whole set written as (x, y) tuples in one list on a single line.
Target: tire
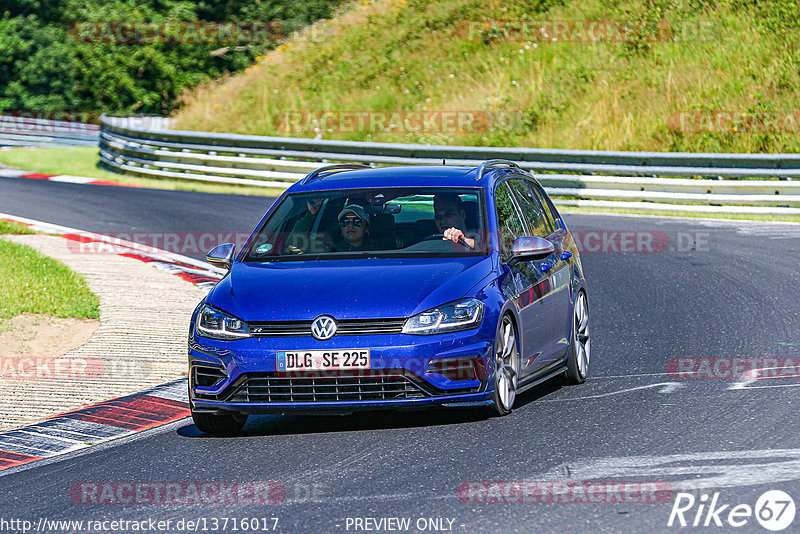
[(506, 367), (579, 352), (219, 424)]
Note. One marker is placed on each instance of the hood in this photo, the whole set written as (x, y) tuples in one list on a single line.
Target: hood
[(345, 289)]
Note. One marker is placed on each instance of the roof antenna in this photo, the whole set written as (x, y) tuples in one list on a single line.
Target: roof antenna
[(443, 162)]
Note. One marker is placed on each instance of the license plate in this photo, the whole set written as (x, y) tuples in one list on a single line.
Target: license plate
[(293, 360)]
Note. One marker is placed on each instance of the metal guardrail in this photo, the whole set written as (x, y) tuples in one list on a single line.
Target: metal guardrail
[(27, 131), (131, 145)]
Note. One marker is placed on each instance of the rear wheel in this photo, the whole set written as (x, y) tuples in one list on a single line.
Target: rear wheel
[(506, 367), (579, 346), (222, 424)]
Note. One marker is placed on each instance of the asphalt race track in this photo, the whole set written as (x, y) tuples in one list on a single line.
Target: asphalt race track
[(713, 292)]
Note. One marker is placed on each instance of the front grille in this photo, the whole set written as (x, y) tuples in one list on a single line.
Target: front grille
[(268, 387), (344, 327)]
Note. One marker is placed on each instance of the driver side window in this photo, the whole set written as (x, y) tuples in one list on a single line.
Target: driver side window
[(509, 222)]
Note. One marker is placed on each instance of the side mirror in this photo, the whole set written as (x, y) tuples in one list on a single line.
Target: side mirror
[(530, 248), (221, 256)]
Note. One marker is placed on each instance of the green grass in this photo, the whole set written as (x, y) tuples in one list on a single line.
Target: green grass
[(8, 227), (33, 283), (417, 55), (82, 161)]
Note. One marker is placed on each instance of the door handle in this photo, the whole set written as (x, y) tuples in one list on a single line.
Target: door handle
[(566, 255)]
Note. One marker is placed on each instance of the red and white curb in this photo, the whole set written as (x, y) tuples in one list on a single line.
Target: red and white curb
[(91, 425), (107, 420), (197, 272), (66, 178)]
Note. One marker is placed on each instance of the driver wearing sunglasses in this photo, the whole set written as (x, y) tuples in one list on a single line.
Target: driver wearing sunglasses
[(354, 223)]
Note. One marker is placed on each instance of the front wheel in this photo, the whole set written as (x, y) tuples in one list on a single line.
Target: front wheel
[(506, 367), (579, 345), (220, 424)]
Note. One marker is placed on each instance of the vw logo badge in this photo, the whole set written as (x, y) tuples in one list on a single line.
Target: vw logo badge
[(323, 327)]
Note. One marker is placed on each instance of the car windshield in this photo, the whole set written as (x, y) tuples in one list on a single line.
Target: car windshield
[(381, 222)]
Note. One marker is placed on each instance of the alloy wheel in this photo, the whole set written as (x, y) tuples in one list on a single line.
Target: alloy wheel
[(581, 333), (506, 366)]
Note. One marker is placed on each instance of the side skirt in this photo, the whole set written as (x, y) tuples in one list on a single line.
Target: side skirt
[(551, 371)]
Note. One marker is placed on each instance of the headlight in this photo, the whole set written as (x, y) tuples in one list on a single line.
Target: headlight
[(459, 315), (217, 324)]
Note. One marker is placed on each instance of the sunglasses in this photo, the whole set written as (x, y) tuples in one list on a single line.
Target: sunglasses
[(353, 222)]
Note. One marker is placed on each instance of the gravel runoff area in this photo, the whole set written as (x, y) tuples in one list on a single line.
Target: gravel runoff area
[(141, 340)]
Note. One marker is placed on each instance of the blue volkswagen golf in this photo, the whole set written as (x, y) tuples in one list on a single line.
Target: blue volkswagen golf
[(391, 288)]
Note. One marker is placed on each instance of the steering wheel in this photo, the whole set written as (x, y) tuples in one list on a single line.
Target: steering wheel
[(441, 236)]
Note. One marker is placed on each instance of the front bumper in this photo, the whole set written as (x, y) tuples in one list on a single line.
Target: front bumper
[(338, 408), (403, 374)]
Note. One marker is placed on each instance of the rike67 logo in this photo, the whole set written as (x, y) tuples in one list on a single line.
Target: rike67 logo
[(774, 510)]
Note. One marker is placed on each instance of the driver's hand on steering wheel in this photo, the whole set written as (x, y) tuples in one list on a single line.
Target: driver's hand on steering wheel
[(455, 235)]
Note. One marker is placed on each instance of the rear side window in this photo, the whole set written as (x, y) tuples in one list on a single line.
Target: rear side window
[(532, 209), (509, 222)]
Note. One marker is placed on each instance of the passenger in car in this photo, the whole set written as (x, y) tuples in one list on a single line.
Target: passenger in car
[(304, 223), (354, 223), (450, 218), (300, 238)]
